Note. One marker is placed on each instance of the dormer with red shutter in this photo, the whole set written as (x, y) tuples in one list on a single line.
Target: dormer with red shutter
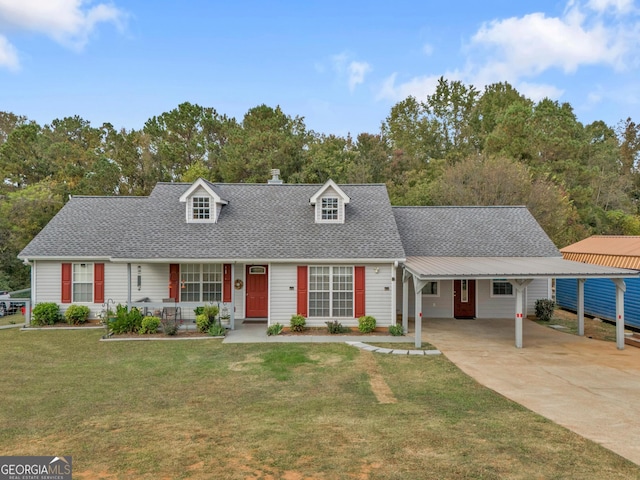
[(329, 202), (203, 202)]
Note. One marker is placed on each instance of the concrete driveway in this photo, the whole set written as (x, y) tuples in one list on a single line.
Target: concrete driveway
[(588, 386)]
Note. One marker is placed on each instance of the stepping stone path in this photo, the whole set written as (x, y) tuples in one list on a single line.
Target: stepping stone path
[(393, 351)]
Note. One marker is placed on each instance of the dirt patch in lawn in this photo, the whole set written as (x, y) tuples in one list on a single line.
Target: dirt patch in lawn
[(378, 384)]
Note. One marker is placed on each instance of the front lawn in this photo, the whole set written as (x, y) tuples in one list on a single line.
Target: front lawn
[(16, 318), (202, 410)]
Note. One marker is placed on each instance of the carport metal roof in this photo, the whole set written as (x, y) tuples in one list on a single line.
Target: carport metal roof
[(443, 268)]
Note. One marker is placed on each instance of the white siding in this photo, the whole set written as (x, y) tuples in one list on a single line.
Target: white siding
[(378, 294), (538, 288), (330, 193), (486, 306), (48, 282), (239, 295), (283, 293), (155, 282), (493, 307)]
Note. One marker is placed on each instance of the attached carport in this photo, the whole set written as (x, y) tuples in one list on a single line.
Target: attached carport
[(519, 271)]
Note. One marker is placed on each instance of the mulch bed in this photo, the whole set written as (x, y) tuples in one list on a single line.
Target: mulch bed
[(322, 331)]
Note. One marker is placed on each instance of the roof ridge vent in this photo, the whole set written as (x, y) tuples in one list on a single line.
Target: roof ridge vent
[(275, 177)]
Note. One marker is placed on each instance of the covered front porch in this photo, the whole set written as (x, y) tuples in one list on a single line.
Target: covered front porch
[(519, 272)]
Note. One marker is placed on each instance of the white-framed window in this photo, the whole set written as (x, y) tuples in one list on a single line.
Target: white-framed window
[(431, 289), (329, 209), (257, 270), (201, 209), (82, 283), (330, 291), (200, 283), (501, 288)]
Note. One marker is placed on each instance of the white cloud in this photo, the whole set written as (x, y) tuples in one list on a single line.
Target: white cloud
[(8, 55), (357, 72), (68, 22), (418, 87), (618, 6), (354, 71), (539, 91)]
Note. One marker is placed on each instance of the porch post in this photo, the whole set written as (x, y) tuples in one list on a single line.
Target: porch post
[(580, 306), (418, 285), (405, 302), (519, 286), (620, 289), (129, 286)]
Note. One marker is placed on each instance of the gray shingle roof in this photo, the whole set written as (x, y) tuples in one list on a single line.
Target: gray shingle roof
[(472, 232), (260, 222)]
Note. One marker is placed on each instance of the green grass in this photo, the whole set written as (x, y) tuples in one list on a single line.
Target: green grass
[(12, 319), (200, 409)]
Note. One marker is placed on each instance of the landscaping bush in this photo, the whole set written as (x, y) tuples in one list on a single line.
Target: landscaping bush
[(336, 327), (126, 321), (46, 313), (149, 325), (544, 309), (274, 329), (366, 324), (203, 323), (211, 311), (217, 330), (198, 310), (396, 330), (297, 323), (77, 314)]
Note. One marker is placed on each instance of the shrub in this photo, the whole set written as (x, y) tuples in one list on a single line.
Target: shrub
[(297, 323), (217, 330), (274, 329), (366, 324), (149, 325), (544, 309), (396, 330), (126, 321), (46, 313), (203, 323), (211, 311), (77, 314), (336, 327), (198, 310)]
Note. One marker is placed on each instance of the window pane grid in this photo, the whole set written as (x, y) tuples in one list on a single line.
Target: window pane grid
[(201, 208), (82, 282), (200, 283), (502, 288), (329, 209), (330, 291)]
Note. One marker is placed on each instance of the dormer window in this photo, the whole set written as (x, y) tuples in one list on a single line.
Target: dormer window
[(330, 208), (201, 208), (329, 202), (203, 201)]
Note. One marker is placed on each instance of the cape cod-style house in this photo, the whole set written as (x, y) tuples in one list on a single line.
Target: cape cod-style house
[(269, 251)]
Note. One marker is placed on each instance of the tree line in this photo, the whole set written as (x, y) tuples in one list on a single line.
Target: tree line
[(459, 146)]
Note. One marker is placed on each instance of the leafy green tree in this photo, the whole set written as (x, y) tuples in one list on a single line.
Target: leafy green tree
[(266, 139), (499, 181)]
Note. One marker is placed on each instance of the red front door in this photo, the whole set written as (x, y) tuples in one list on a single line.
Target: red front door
[(464, 298), (257, 291)]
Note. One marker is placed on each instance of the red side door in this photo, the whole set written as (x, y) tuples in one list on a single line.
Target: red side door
[(464, 298), (257, 291)]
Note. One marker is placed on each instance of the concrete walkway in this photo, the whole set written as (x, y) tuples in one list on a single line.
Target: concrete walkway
[(588, 386)]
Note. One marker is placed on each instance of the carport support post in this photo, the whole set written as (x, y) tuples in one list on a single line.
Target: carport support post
[(620, 289), (405, 301), (580, 306), (418, 285), (519, 285)]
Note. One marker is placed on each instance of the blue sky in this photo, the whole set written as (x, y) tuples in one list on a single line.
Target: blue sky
[(341, 65)]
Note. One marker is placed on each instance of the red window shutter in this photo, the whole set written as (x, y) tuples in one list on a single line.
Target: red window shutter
[(66, 283), (302, 290), (174, 281), (358, 301), (226, 282), (98, 283)]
